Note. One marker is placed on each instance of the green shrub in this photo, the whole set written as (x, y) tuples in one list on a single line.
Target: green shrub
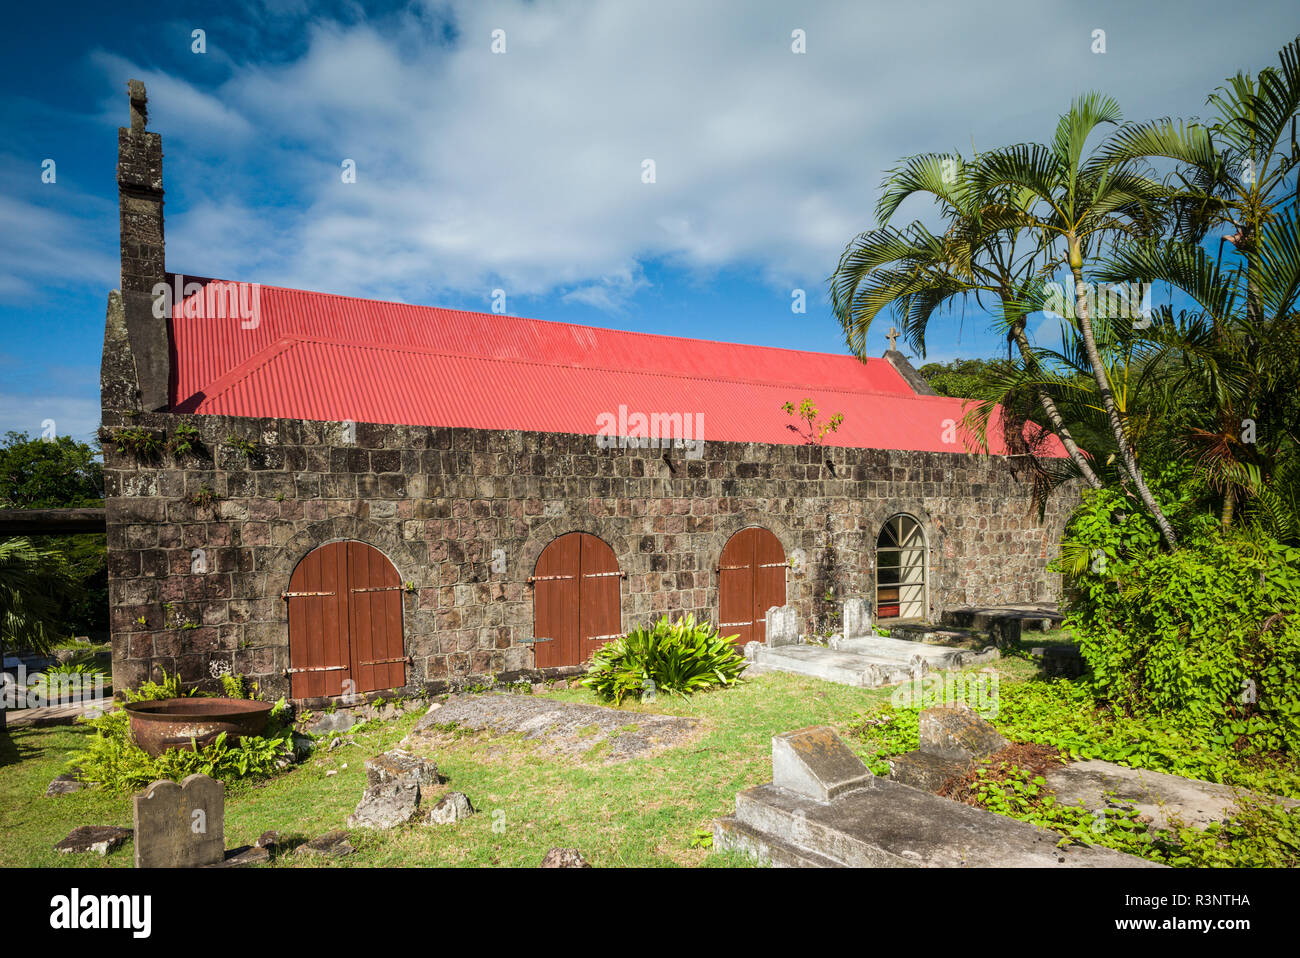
[(112, 758), (80, 670), (168, 688), (1210, 633), (680, 657)]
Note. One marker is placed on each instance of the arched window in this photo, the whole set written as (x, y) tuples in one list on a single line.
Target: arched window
[(577, 600), (751, 579), (345, 622), (900, 569)]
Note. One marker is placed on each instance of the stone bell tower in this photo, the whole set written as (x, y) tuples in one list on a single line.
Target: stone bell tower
[(137, 360)]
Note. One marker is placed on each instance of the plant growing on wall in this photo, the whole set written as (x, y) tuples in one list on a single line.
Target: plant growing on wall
[(245, 447), (185, 440), (145, 444), (808, 412), (203, 497)]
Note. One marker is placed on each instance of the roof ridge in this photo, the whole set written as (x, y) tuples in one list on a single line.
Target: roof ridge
[(557, 322), (430, 351)]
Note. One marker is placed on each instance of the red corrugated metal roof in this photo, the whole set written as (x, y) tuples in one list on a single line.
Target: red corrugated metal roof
[(334, 358)]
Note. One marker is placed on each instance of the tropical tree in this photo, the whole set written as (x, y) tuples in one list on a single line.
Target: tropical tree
[(912, 272), (35, 585), (1235, 176), (1078, 206)]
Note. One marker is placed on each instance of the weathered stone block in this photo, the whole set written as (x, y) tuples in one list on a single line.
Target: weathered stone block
[(386, 805), (453, 807)]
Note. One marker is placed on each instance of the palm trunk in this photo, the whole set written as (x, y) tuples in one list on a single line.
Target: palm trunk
[(1054, 416), (1229, 507), (1112, 411)]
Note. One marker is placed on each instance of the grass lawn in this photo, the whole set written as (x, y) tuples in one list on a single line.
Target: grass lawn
[(642, 812)]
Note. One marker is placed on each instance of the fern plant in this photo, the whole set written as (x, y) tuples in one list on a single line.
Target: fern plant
[(680, 657)]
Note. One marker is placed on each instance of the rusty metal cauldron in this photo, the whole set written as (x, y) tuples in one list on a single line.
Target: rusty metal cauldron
[(184, 722)]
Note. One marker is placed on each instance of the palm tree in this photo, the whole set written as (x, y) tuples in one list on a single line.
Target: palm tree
[(1232, 176), (1078, 205), (912, 272), (35, 586)]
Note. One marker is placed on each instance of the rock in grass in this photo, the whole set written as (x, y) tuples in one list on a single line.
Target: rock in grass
[(330, 845), (399, 765), (386, 805), (65, 784), (453, 807), (564, 858), (100, 839)]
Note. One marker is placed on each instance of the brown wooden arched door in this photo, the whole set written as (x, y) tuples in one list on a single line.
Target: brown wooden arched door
[(577, 599), (751, 579), (345, 622)]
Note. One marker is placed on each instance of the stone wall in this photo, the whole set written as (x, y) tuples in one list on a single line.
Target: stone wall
[(438, 502)]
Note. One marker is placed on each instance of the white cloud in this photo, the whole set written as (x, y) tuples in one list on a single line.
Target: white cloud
[(523, 170), (64, 238)]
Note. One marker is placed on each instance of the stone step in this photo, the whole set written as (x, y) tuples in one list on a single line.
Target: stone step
[(846, 668), (730, 834)]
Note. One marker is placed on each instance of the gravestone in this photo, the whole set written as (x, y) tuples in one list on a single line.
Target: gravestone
[(180, 826), (816, 763), (957, 732), (782, 626), (857, 618)]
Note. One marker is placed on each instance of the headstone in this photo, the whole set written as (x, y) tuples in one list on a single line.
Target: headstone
[(564, 858), (180, 826), (782, 626), (815, 762), (956, 732), (857, 618), (453, 807), (100, 839)]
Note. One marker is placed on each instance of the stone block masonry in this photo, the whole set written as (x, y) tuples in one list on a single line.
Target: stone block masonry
[(202, 546)]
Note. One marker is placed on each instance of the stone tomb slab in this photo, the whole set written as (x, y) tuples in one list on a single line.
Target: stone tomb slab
[(180, 826), (563, 728), (1164, 797)]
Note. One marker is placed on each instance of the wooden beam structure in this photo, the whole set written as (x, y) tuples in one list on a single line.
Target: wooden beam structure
[(50, 522)]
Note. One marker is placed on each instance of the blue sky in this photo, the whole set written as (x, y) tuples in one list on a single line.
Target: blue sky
[(522, 171)]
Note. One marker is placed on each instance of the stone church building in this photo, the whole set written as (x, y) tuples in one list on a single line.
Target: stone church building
[(333, 495)]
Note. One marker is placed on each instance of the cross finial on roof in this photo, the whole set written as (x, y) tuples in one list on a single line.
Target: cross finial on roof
[(892, 336)]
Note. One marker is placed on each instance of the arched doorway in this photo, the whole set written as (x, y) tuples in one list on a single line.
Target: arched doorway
[(345, 622), (900, 569), (751, 579), (577, 599)]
